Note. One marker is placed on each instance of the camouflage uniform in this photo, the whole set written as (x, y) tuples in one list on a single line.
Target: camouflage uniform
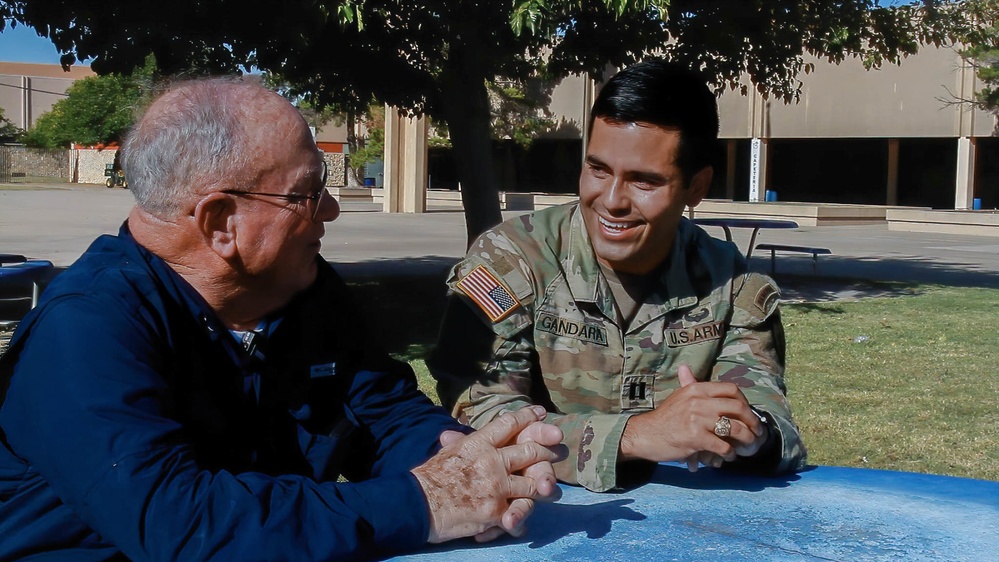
[(533, 320)]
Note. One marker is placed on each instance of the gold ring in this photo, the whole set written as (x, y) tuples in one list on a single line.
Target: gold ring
[(723, 427)]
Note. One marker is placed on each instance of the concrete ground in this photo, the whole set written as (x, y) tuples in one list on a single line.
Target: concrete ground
[(57, 222)]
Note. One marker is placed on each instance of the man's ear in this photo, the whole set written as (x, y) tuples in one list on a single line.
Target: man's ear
[(214, 217), (699, 186)]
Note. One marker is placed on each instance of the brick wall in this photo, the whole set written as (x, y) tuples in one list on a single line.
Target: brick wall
[(35, 164), (337, 169), (90, 164)]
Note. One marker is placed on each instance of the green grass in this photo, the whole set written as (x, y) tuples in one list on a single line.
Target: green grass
[(921, 394)]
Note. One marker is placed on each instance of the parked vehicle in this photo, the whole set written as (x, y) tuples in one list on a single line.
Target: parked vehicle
[(116, 178)]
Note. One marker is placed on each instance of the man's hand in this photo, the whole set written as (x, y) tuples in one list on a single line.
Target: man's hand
[(491, 477), (682, 427)]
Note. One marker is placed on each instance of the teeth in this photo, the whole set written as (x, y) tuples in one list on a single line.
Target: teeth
[(615, 225)]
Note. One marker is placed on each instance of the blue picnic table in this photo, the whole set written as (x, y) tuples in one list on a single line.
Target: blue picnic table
[(822, 513)]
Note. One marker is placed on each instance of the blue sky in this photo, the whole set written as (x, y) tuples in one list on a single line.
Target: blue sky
[(22, 44)]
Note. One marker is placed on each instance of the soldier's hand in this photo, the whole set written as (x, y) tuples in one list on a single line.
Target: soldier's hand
[(491, 477), (682, 427)]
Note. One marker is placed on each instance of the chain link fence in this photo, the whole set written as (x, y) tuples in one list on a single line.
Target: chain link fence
[(20, 164)]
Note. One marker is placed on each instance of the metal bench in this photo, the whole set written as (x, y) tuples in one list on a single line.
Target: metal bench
[(774, 248), (15, 268), (18, 270)]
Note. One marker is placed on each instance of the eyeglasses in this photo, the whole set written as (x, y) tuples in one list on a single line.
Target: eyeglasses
[(314, 199)]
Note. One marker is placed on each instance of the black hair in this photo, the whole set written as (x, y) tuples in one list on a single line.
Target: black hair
[(666, 95)]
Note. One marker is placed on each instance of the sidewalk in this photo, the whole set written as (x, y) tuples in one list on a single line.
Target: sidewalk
[(58, 222)]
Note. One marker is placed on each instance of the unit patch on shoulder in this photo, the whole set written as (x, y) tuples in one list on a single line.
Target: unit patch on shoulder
[(766, 298), (495, 300)]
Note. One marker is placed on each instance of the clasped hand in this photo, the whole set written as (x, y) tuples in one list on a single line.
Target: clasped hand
[(682, 427), (485, 484)]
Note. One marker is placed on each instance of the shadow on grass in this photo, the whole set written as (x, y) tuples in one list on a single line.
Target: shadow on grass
[(906, 270), (801, 289), (817, 308)]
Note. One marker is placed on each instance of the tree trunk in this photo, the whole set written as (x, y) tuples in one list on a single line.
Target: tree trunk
[(352, 147), (465, 107)]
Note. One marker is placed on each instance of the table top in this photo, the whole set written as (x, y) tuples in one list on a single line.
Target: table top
[(823, 513), (737, 222)]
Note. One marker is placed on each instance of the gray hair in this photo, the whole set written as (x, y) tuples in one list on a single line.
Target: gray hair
[(188, 142)]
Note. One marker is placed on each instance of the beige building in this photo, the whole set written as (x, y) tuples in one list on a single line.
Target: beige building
[(887, 137), (29, 90)]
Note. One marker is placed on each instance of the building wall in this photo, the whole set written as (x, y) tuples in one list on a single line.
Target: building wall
[(20, 163), (331, 132), (834, 143), (41, 162), (29, 90), (846, 100), (841, 101), (90, 164), (336, 169), (570, 102)]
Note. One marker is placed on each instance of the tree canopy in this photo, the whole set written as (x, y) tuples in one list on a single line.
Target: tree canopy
[(436, 56), (982, 51)]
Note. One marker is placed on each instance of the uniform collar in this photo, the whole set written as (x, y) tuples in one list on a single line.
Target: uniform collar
[(582, 271), (587, 283)]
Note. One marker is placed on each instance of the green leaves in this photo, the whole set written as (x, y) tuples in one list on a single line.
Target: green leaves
[(526, 15), (543, 16), (982, 51), (350, 11)]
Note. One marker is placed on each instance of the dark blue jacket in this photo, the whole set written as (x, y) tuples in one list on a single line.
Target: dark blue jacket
[(131, 426)]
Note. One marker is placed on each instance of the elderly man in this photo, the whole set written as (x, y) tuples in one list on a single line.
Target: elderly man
[(647, 339), (195, 386)]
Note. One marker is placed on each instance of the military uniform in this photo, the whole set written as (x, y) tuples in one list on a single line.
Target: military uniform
[(532, 319)]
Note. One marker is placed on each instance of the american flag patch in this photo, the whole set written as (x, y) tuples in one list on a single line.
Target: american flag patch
[(486, 291)]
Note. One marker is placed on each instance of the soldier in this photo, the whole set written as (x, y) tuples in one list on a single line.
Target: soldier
[(646, 338)]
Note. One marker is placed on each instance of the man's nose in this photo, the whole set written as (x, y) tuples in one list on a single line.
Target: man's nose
[(615, 198), (329, 208)]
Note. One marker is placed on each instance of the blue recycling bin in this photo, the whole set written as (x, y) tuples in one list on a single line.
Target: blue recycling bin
[(369, 182)]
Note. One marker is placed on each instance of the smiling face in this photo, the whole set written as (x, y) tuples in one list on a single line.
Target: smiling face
[(632, 194)]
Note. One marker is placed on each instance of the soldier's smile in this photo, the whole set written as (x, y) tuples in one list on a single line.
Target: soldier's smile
[(618, 229)]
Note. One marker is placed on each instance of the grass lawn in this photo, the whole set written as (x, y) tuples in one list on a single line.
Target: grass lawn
[(920, 393)]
